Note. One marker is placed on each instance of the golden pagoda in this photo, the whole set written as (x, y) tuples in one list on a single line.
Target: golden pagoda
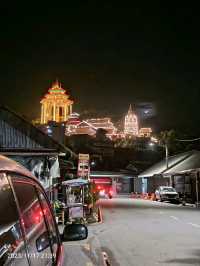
[(56, 105)]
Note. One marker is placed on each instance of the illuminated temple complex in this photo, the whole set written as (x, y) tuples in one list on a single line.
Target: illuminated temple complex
[(55, 105)]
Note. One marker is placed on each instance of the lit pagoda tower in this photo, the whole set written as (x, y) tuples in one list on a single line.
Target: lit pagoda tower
[(131, 123), (56, 105)]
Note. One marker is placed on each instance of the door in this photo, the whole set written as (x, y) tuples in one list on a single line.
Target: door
[(12, 246), (144, 185), (38, 237)]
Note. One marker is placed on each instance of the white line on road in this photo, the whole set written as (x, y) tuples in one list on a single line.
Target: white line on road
[(161, 212), (175, 218), (194, 225)]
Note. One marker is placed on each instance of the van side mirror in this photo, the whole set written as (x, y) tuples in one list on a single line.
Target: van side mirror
[(74, 232)]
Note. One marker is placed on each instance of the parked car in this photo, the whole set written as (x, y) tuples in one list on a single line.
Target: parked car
[(103, 187), (166, 193), (105, 192), (28, 232)]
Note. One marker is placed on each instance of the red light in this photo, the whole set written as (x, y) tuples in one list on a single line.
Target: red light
[(22, 221), (99, 187), (37, 218), (111, 192)]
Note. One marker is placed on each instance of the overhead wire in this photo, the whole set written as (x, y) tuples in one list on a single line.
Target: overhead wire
[(188, 140)]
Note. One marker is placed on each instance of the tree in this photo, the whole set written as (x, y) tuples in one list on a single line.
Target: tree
[(101, 135), (167, 139)]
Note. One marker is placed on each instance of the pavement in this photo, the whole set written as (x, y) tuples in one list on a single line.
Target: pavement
[(139, 232)]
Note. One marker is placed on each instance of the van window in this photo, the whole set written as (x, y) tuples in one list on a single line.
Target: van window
[(12, 248), (50, 221), (37, 234)]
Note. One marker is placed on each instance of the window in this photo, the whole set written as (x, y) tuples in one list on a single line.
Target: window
[(37, 233), (169, 189), (12, 249), (50, 222)]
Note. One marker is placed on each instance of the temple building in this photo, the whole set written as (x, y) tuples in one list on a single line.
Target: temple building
[(55, 105), (145, 132), (89, 126), (71, 124), (104, 123), (131, 123)]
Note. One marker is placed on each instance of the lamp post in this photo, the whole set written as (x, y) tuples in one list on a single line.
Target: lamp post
[(151, 144), (166, 155), (197, 189)]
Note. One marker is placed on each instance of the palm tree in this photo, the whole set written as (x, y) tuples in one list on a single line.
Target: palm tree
[(167, 137)]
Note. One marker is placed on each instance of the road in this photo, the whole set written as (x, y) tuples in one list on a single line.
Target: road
[(139, 232)]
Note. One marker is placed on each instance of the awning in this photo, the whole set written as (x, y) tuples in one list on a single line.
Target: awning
[(75, 182), (182, 162)]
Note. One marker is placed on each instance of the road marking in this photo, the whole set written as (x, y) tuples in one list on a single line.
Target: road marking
[(194, 225), (175, 218), (89, 264), (161, 212)]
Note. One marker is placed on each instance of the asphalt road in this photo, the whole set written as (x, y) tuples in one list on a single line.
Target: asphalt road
[(139, 232)]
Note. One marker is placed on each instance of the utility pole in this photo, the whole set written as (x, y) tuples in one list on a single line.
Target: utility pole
[(197, 189), (166, 155)]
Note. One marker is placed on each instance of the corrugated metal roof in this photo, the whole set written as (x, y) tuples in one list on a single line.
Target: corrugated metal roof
[(178, 163), (106, 174), (16, 132)]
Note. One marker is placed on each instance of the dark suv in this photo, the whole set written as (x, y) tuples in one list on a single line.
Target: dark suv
[(28, 231)]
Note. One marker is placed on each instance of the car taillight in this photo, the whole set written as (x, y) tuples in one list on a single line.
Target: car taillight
[(110, 191)]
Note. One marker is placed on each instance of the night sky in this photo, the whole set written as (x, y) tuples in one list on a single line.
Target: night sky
[(108, 56)]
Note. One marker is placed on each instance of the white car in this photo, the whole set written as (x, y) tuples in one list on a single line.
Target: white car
[(166, 193)]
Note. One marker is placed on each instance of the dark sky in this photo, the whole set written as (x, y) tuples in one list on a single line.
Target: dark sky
[(109, 56)]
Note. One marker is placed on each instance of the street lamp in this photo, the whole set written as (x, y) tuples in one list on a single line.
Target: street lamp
[(151, 144), (197, 189), (166, 155)]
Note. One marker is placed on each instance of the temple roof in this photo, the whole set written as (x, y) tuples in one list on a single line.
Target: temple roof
[(130, 110), (56, 88), (56, 91)]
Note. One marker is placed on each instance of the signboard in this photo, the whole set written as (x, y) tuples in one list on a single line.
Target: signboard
[(83, 166), (83, 157)]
